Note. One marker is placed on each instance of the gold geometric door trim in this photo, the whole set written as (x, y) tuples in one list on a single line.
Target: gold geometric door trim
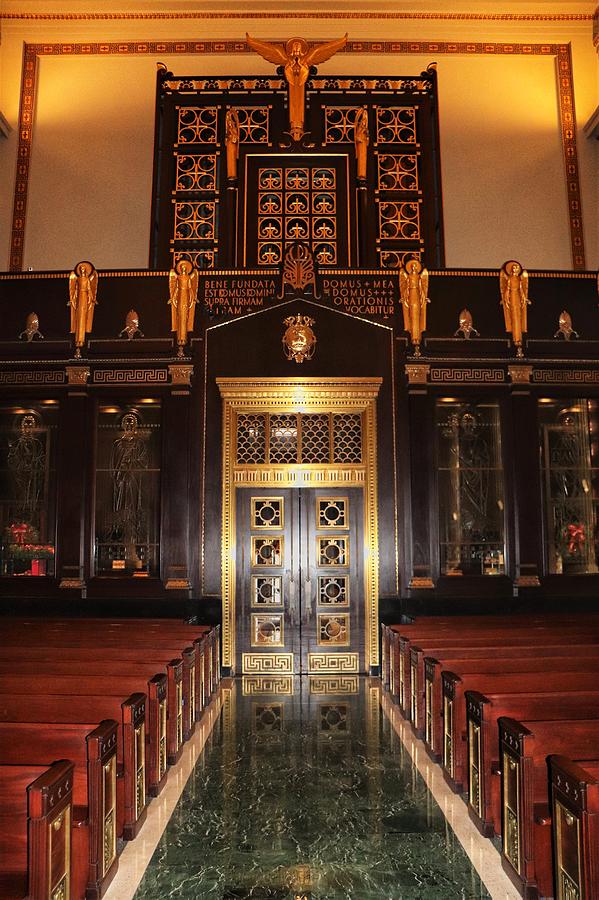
[(251, 396)]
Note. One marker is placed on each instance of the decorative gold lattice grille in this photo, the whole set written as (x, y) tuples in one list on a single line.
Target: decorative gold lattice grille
[(306, 438)]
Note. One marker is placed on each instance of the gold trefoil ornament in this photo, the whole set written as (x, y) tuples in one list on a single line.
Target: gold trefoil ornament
[(413, 290), (183, 290), (299, 340), (513, 284), (32, 328), (296, 57), (565, 326), (83, 289)]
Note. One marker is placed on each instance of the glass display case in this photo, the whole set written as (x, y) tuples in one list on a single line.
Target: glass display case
[(127, 509), (569, 442), (27, 488), (470, 488)]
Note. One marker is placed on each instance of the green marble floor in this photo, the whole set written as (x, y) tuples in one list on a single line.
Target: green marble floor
[(307, 795)]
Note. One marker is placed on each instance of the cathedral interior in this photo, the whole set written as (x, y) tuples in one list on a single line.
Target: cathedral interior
[(299, 450)]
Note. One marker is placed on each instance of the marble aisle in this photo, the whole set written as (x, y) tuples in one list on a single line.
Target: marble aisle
[(307, 795)]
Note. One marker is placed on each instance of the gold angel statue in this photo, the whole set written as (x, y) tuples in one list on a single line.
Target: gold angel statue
[(232, 141), (296, 57), (83, 288), (513, 285), (361, 141), (183, 291), (413, 289)]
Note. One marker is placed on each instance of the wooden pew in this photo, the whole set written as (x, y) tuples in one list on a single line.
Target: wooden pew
[(92, 749), (454, 760), (529, 659), (113, 655), (482, 714), (181, 691), (446, 626), (132, 777), (575, 827), (411, 660), (160, 735), (36, 804), (526, 835)]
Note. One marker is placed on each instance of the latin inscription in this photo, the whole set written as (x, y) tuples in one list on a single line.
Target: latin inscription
[(237, 295), (367, 296)]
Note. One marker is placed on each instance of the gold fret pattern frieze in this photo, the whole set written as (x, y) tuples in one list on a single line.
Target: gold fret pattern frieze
[(197, 124), (334, 684), (195, 220), (467, 375), (41, 377), (565, 376), (267, 663), (323, 663), (397, 171), (196, 173), (255, 685), (130, 376), (396, 125)]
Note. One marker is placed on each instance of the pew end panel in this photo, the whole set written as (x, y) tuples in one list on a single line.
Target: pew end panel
[(102, 773), (157, 738), (134, 758), (575, 827)]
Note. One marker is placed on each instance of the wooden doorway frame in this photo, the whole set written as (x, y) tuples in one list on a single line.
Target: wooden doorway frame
[(300, 395)]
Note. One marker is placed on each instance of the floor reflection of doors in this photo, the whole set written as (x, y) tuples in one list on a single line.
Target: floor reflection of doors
[(300, 580)]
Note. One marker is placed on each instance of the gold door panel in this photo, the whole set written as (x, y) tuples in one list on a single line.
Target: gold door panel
[(267, 551), (332, 512), (268, 512), (267, 590), (267, 631), (332, 551), (333, 590), (333, 630)]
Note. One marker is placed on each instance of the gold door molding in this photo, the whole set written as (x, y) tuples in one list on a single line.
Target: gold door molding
[(300, 395)]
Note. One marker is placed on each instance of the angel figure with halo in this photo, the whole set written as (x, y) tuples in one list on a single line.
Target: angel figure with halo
[(413, 289), (513, 285), (83, 288), (296, 57), (183, 296)]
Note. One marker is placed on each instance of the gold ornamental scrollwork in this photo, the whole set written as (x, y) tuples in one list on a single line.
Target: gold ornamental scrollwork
[(77, 375), (520, 374), (299, 340), (180, 374)]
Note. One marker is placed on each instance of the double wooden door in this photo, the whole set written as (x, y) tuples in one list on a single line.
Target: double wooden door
[(300, 581)]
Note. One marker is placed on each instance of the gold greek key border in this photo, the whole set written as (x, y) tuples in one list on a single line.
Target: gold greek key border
[(322, 663), (310, 394), (266, 663), (561, 52), (253, 685)]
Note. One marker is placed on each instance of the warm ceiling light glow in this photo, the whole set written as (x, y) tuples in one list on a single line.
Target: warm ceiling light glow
[(49, 402), (149, 400), (109, 409)]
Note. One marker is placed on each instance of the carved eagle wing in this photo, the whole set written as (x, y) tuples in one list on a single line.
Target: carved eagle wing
[(321, 52), (273, 53)]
